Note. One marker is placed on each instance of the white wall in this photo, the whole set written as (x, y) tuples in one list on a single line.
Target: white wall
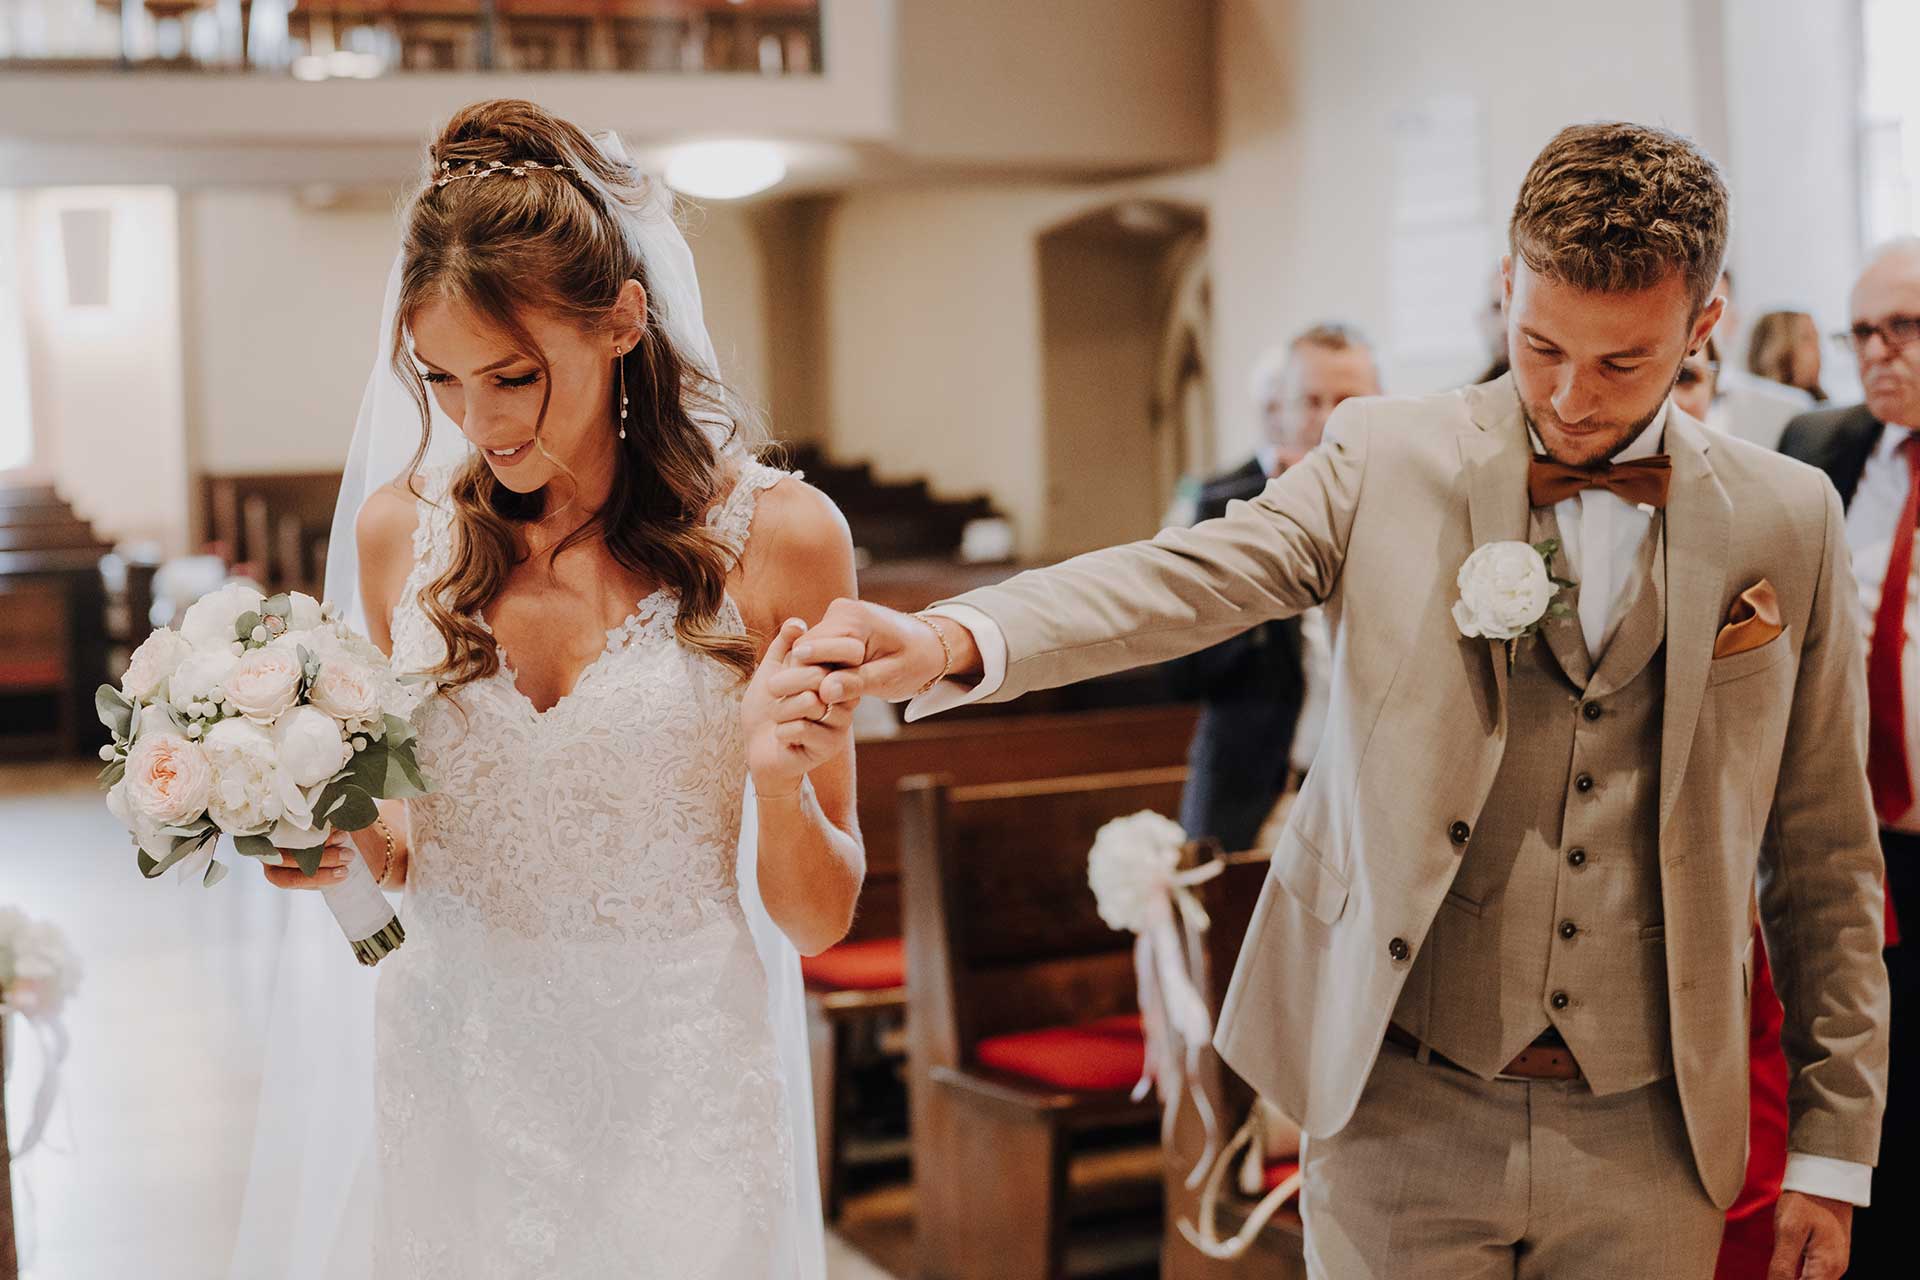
[(106, 386), (282, 301)]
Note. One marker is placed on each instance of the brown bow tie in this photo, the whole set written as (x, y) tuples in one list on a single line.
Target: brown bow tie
[(1641, 481)]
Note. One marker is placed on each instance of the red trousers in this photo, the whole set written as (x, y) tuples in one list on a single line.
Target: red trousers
[(1747, 1244)]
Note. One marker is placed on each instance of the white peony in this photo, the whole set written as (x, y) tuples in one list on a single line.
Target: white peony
[(309, 745), (146, 832), (168, 779), (155, 660), (248, 794), (348, 691), (1504, 590), (209, 621), (304, 614), (195, 679), (1134, 861), (264, 683)]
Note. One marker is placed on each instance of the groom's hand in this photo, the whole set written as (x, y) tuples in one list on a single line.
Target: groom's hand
[(883, 653), (1811, 1237)]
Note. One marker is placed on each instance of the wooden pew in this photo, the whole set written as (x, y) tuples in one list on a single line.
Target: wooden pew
[(1018, 999), (53, 644), (1274, 1254), (859, 986)]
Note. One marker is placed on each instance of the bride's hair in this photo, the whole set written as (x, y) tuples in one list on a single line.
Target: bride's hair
[(501, 245)]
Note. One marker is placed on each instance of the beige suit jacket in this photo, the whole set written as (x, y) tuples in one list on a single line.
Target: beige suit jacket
[(1761, 754)]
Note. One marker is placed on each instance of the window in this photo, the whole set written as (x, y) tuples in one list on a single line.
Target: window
[(1890, 120)]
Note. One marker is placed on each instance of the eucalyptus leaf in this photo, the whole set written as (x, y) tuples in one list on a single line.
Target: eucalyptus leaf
[(216, 872), (397, 731), (254, 847), (111, 775), (115, 712), (309, 860), (243, 626), (147, 864), (357, 810)]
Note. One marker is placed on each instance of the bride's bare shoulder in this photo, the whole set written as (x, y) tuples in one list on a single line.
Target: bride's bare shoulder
[(384, 528)]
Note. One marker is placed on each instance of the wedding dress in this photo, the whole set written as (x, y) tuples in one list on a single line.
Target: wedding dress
[(575, 1073)]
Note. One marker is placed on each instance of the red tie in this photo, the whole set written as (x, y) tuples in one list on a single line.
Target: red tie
[(1887, 720)]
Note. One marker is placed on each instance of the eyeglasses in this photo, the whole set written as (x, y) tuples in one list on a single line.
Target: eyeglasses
[(1896, 332)]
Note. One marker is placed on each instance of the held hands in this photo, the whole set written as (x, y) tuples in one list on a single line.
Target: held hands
[(797, 715), (1812, 1237), (889, 655)]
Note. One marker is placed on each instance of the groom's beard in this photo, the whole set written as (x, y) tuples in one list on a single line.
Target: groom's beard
[(1593, 445)]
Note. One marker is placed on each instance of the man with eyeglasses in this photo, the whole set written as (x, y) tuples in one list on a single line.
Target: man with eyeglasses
[(1872, 453)]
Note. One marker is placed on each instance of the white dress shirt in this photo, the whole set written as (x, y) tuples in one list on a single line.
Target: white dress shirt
[(1591, 519), (1872, 517)]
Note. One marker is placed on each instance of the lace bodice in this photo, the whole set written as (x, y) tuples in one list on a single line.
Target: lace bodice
[(624, 797), (577, 1075)]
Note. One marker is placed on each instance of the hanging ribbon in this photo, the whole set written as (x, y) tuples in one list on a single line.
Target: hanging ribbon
[(1173, 1014), (52, 1035), (1206, 1238)]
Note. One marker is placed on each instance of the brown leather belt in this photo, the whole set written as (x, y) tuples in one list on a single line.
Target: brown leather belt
[(1538, 1061)]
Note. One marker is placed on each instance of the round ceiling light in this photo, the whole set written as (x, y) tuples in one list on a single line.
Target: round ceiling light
[(725, 170)]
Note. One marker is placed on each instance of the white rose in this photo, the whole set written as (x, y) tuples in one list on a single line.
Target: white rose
[(264, 683), (309, 745), (305, 613), (1504, 589), (348, 692), (1133, 862), (156, 658), (209, 622), (146, 832), (168, 779), (247, 797), (194, 680)]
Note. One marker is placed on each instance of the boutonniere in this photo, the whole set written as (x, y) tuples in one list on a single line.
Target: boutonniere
[(1508, 591)]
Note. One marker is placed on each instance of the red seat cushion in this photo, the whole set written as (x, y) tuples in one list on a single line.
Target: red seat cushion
[(1278, 1171), (874, 965), (1102, 1056)]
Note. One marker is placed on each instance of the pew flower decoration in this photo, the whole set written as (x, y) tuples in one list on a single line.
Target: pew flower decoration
[(38, 974), (268, 721), (1138, 886), (1508, 590)]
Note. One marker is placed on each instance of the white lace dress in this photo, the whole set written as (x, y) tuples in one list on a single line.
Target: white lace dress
[(576, 1074)]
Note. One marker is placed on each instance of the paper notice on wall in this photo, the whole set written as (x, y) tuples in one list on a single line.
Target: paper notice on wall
[(1442, 248)]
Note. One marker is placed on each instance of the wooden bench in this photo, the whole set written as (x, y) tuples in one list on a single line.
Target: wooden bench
[(1020, 1000), (859, 986), (1275, 1253), (53, 643)]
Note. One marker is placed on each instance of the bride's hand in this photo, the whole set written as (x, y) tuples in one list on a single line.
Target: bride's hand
[(287, 874), (796, 717)]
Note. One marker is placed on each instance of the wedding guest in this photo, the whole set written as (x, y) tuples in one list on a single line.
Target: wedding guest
[(1498, 969), (1785, 348), (1748, 406), (1868, 451), (1263, 693)]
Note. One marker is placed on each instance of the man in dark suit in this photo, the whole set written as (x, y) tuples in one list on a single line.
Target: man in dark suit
[(1254, 687), (1872, 454)]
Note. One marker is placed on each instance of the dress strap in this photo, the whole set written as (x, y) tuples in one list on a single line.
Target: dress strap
[(732, 517)]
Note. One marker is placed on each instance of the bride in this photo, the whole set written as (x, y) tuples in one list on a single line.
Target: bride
[(576, 1068)]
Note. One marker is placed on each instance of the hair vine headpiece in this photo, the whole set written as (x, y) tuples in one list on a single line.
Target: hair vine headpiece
[(475, 169)]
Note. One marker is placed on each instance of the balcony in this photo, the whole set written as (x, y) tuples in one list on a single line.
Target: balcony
[(366, 39)]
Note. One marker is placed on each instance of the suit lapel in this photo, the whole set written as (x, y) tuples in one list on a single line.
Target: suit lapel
[(1699, 522), (1493, 460)]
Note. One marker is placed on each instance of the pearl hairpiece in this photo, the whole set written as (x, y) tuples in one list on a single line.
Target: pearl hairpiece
[(475, 169)]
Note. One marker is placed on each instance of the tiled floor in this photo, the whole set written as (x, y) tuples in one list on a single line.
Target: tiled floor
[(143, 1170)]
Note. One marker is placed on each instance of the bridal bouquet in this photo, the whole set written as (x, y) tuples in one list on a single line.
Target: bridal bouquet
[(268, 721)]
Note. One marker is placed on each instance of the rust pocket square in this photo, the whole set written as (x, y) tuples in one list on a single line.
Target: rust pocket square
[(1753, 620)]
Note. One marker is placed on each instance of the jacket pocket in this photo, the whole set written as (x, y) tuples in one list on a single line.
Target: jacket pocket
[(1752, 662), (1300, 870)]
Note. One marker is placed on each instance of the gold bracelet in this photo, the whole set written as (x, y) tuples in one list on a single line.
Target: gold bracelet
[(386, 867), (946, 654)]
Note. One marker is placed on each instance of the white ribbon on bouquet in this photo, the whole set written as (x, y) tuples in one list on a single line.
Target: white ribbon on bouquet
[(52, 1035), (1134, 871)]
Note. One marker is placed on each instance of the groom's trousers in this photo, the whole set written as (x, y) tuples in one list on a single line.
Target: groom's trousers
[(1442, 1174)]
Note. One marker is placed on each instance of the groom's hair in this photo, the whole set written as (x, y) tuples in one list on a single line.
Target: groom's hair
[(1615, 207)]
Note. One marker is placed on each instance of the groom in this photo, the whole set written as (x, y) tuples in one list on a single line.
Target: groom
[(1500, 967)]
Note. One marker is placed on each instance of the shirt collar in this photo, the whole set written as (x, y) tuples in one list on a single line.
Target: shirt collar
[(1890, 440)]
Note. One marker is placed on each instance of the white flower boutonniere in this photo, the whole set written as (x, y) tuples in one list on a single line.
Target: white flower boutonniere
[(1508, 591)]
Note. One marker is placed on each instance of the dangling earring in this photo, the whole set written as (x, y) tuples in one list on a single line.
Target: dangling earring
[(623, 395)]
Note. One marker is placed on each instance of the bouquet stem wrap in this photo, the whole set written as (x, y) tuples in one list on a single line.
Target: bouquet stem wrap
[(364, 914)]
